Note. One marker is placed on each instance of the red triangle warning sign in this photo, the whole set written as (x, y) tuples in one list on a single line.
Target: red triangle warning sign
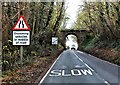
[(21, 24)]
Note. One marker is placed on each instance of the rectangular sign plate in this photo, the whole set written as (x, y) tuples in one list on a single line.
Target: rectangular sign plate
[(54, 40), (21, 38)]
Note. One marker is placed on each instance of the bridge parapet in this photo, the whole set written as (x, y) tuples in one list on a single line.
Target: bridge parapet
[(80, 34)]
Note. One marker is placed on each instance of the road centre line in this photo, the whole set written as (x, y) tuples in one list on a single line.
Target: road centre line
[(78, 57), (58, 59), (89, 67), (97, 58), (83, 62), (49, 70), (80, 52), (106, 82)]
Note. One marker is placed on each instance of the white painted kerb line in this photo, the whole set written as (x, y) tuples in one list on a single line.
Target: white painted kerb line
[(83, 62), (49, 70), (98, 58)]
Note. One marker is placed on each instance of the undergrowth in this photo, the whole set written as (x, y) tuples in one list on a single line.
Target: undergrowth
[(108, 50)]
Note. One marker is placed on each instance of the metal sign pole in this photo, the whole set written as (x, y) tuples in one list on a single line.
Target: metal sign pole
[(21, 58), (21, 29)]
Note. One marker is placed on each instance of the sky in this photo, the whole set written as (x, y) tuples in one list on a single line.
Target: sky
[(71, 11)]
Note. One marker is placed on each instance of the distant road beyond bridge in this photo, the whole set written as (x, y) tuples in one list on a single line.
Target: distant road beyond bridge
[(80, 34)]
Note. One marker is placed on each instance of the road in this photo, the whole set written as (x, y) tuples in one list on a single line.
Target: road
[(78, 68)]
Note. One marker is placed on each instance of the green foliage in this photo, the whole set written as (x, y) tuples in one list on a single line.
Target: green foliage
[(44, 19), (88, 42), (10, 54), (101, 18)]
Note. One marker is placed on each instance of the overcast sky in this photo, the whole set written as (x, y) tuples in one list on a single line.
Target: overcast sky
[(72, 9)]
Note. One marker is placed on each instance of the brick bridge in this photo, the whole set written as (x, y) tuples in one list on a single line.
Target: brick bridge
[(80, 34)]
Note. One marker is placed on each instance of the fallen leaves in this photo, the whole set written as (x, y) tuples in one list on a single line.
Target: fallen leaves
[(106, 54), (30, 72)]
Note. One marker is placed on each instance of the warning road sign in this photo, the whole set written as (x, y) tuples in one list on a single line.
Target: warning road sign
[(21, 37), (21, 32), (21, 24)]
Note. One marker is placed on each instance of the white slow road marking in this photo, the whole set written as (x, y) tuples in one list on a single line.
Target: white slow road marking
[(58, 59), (49, 70), (73, 72)]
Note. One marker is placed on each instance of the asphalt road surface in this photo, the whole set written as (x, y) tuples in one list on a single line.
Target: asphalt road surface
[(78, 68)]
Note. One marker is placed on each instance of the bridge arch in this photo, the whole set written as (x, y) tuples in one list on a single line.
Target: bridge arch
[(71, 40), (80, 34)]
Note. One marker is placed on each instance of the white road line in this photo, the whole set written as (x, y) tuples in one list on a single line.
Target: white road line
[(49, 70), (104, 61), (98, 58), (78, 57), (83, 62), (80, 52), (107, 83), (90, 67)]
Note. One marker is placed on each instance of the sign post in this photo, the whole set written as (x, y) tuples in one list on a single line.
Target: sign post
[(21, 36), (21, 58)]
